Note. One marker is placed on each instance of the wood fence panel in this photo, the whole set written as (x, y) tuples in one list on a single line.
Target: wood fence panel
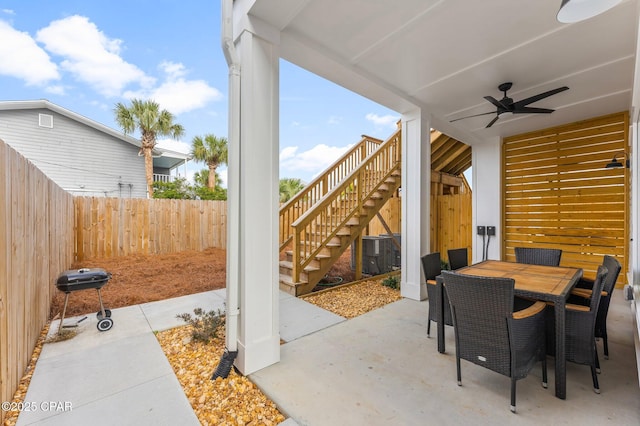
[(451, 221), (36, 245), (391, 214), (111, 227)]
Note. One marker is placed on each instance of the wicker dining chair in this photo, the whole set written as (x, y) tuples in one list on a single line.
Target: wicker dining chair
[(580, 321), (489, 333), (538, 256), (582, 295), (432, 267), (458, 258)]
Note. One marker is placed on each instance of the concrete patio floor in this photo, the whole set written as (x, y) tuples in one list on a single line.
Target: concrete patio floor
[(381, 369), (376, 369)]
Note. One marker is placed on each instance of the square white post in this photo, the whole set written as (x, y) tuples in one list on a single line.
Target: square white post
[(416, 209), (257, 234)]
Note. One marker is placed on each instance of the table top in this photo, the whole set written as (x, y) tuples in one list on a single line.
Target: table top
[(555, 281)]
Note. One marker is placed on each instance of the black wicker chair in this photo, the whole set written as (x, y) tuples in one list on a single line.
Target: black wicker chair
[(582, 295), (538, 256), (580, 321), (432, 266), (458, 258), (489, 333)]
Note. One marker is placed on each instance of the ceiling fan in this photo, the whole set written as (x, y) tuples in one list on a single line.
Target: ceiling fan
[(506, 104)]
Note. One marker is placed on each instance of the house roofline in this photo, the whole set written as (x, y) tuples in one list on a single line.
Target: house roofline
[(45, 104)]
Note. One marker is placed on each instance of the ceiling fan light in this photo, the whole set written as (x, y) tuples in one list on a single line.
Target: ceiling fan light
[(578, 10)]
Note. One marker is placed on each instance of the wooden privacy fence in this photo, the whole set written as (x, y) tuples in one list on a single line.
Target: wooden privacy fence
[(451, 221), (36, 245), (111, 227)]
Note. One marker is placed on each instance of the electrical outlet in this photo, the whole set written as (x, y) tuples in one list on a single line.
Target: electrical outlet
[(482, 230), (491, 230)]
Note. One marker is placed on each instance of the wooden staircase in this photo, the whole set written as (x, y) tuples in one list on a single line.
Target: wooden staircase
[(325, 226)]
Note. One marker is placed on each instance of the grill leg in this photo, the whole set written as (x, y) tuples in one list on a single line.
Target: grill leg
[(104, 315), (64, 311)]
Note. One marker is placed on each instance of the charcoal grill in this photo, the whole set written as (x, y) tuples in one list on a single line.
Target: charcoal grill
[(84, 279)]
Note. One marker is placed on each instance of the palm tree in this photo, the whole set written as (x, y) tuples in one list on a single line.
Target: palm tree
[(211, 150), (289, 187), (201, 178), (147, 117)]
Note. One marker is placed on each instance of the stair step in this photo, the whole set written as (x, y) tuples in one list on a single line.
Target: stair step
[(289, 265), (290, 287), (318, 256)]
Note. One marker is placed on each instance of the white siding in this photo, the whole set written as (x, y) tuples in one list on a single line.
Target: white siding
[(79, 158)]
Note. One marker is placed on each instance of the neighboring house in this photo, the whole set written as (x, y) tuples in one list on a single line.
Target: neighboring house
[(82, 156)]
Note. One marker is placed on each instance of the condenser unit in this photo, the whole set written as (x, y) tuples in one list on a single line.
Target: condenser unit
[(395, 250), (377, 255)]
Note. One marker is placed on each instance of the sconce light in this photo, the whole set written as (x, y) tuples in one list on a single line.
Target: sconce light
[(614, 164), (578, 10)]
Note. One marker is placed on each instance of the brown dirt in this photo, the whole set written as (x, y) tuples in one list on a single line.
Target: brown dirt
[(139, 279)]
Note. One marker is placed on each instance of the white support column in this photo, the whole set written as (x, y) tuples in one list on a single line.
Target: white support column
[(416, 209), (487, 198), (257, 239)]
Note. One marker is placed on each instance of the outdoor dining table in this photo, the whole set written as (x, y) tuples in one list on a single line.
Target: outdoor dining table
[(546, 283)]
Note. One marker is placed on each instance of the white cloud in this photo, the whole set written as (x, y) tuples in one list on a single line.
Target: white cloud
[(176, 94), (9, 11), (174, 145), (55, 90), (385, 120), (287, 153), (23, 58), (334, 119), (312, 161), (223, 177), (90, 55)]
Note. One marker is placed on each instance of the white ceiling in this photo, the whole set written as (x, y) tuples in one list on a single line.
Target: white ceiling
[(446, 55)]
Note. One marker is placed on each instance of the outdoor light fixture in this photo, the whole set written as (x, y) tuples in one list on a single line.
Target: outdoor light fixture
[(578, 10), (614, 164)]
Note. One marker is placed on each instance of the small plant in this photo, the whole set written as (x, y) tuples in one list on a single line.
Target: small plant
[(391, 282), (205, 324), (64, 334)]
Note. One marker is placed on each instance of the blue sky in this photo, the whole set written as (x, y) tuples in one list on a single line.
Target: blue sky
[(88, 55)]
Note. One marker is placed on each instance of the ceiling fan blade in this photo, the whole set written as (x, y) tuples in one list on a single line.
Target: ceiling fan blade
[(532, 99), (475, 115), (530, 110), (496, 102), (492, 121)]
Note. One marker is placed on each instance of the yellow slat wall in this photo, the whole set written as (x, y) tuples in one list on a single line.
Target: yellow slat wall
[(111, 227), (36, 244), (557, 193)]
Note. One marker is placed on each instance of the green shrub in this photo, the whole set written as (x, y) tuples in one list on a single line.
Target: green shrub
[(205, 324), (391, 282)]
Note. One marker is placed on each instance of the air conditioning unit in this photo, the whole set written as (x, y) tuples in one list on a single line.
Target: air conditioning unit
[(377, 255), (395, 250)]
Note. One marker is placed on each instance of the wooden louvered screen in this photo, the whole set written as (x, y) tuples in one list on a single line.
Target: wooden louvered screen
[(558, 194)]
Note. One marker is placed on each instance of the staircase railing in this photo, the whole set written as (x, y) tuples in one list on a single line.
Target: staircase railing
[(321, 185), (318, 226)]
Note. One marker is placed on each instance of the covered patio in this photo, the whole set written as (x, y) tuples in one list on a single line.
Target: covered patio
[(433, 62), (381, 369)]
